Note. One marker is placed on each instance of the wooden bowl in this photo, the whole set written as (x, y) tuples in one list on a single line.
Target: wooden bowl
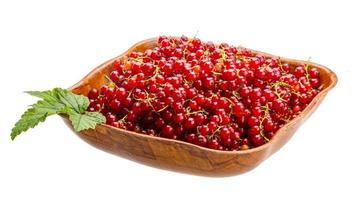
[(181, 156)]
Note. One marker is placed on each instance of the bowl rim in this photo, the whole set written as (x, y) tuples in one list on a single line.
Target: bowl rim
[(278, 133)]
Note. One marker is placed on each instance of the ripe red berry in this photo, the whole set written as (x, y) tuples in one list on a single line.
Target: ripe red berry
[(179, 118), (228, 74), (204, 130), (257, 140), (93, 94), (201, 140), (167, 131), (189, 123), (299, 71), (213, 144), (115, 105)]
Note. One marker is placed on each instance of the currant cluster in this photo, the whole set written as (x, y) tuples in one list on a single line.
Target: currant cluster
[(216, 96)]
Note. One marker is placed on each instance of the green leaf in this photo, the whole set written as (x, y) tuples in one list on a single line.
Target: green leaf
[(48, 95), (37, 113), (86, 121), (58, 101), (79, 103), (49, 107)]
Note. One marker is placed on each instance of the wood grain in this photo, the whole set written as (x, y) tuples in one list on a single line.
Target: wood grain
[(181, 156)]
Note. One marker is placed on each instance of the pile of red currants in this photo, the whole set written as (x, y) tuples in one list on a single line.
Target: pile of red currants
[(216, 96)]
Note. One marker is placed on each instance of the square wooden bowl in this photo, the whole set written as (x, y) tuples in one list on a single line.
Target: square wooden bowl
[(181, 156)]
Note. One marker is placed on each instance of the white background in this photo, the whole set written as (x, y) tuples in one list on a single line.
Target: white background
[(46, 44)]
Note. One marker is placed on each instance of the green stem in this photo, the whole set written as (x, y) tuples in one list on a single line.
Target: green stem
[(110, 82)]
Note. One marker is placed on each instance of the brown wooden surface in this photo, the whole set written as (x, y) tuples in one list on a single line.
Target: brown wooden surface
[(181, 156)]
